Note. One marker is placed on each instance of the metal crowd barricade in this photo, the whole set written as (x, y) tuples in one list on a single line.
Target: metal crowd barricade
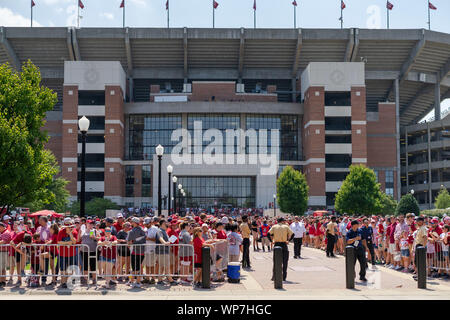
[(158, 262), (37, 263), (219, 257), (437, 257)]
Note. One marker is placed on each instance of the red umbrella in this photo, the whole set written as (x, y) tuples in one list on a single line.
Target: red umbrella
[(46, 213)]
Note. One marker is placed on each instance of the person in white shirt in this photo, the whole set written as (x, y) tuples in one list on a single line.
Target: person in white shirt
[(298, 228), (150, 256)]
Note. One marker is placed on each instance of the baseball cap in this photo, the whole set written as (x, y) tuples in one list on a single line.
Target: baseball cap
[(119, 215), (135, 220), (90, 221), (109, 220), (67, 221), (224, 220), (147, 220), (434, 220), (6, 217), (204, 225)]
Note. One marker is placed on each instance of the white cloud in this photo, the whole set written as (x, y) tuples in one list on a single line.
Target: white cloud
[(107, 15), (59, 10), (52, 2), (140, 3), (10, 19)]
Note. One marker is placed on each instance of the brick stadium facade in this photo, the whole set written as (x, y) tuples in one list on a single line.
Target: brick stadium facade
[(331, 131), (137, 85)]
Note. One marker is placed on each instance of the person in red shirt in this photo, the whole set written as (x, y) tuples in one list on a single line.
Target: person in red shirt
[(173, 230), (51, 250), (108, 255), (199, 243), (119, 223), (221, 234), (67, 237), (5, 239)]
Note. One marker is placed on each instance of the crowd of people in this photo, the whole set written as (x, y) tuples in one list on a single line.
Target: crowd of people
[(137, 250)]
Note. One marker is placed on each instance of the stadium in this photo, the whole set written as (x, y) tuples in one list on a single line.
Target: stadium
[(337, 96)]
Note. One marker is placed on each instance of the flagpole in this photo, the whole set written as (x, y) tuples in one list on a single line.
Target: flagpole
[(31, 4), (254, 16), (78, 17), (295, 17), (123, 18), (429, 16), (342, 17), (387, 16), (214, 14), (168, 14)]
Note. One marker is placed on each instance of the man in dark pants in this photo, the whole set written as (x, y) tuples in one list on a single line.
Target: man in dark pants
[(245, 232), (355, 239), (331, 236), (367, 234), (281, 234), (298, 228)]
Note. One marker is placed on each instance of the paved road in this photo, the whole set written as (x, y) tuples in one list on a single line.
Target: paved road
[(313, 277)]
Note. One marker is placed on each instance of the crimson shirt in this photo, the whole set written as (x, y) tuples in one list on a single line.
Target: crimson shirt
[(67, 251)]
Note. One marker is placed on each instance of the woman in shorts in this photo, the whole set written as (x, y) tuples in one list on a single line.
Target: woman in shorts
[(108, 254), (123, 252)]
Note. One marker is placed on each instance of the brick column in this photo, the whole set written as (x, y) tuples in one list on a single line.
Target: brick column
[(69, 164), (314, 140), (359, 125), (114, 142)]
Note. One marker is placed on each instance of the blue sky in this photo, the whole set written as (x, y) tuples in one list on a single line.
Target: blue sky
[(230, 14)]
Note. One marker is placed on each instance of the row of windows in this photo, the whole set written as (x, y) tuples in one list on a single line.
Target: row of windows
[(145, 181), (219, 187), (146, 132)]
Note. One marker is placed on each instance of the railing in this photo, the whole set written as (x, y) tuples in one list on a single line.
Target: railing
[(75, 264), (220, 259), (437, 257)]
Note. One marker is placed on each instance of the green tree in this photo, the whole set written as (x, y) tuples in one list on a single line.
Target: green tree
[(60, 201), (26, 167), (293, 190), (360, 192), (408, 204), (95, 207), (388, 205), (442, 199)]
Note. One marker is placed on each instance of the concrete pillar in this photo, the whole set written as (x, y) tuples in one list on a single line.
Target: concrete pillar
[(131, 89), (397, 130), (430, 195), (437, 101), (293, 88), (406, 157)]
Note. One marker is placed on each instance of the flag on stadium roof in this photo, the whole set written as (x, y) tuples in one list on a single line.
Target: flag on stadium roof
[(389, 6), (80, 4)]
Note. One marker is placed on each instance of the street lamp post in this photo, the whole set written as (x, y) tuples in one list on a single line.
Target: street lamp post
[(274, 205), (159, 153), (169, 171), (179, 192), (182, 198), (83, 124), (174, 180)]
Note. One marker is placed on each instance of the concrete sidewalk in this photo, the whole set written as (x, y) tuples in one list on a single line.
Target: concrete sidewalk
[(314, 277)]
